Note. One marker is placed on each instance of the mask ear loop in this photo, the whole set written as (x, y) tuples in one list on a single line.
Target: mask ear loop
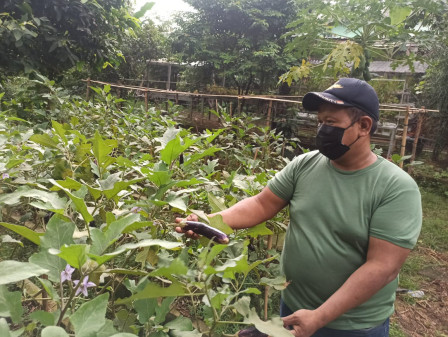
[(353, 123)]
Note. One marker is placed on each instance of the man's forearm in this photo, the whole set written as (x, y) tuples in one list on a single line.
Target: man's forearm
[(254, 210), (359, 287)]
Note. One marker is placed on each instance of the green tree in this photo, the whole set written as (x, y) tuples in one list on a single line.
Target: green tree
[(236, 41), (50, 36), (355, 31)]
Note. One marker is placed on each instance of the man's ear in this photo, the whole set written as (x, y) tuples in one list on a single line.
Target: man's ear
[(365, 123)]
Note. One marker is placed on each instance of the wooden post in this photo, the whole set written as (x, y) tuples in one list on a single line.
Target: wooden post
[(404, 136), (177, 98), (268, 119), (239, 106), (266, 288), (168, 82), (146, 99), (230, 108), (391, 142), (88, 90), (416, 137)]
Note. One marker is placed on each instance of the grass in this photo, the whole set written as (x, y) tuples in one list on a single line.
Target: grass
[(433, 238)]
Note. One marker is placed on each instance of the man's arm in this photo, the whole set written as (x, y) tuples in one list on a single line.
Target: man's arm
[(248, 212), (384, 260), (254, 210)]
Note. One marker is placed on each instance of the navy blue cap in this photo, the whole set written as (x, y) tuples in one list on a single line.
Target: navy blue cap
[(349, 92)]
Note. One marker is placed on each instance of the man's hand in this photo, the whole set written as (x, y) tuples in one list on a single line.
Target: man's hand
[(304, 323), (190, 234)]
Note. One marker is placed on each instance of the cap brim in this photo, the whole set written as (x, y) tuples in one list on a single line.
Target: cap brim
[(312, 100)]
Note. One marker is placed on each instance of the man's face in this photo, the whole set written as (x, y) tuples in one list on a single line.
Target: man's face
[(337, 116)]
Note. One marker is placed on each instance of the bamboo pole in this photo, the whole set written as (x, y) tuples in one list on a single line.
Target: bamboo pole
[(268, 119), (416, 138), (266, 288), (404, 136), (88, 90), (146, 100)]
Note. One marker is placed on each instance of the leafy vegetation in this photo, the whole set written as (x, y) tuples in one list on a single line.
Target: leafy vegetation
[(92, 200)]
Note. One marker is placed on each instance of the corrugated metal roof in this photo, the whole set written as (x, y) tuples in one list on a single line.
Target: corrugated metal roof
[(386, 67)]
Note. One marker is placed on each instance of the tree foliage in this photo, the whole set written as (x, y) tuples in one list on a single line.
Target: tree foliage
[(354, 32), (50, 36), (235, 40)]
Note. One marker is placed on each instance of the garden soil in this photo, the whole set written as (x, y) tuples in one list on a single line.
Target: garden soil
[(427, 316)]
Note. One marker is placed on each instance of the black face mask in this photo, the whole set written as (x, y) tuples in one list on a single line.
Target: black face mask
[(329, 141)]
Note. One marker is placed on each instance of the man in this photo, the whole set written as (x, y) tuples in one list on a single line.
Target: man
[(354, 217)]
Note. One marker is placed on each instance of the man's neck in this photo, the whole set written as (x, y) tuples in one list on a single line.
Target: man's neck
[(356, 160)]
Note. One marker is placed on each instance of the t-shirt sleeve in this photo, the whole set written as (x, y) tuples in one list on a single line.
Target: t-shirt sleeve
[(283, 183), (398, 218)]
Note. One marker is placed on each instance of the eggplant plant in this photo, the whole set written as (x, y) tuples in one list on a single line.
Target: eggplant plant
[(87, 209)]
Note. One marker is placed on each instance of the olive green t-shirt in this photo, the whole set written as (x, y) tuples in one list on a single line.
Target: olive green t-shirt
[(332, 215)]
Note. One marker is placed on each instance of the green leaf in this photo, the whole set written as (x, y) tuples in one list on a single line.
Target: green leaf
[(145, 309), (116, 228), (60, 130), (10, 304), (142, 11), (79, 202), (176, 267), (59, 232), (75, 255), (68, 183), (45, 140), (258, 230), (278, 283), (48, 286), (178, 203), (217, 222), (54, 331), (399, 14), (14, 271), (90, 317), (99, 241), (196, 156), (273, 327), (102, 149), (54, 264), (180, 323), (24, 231), (144, 243), (4, 328), (174, 148), (44, 317), (153, 290), (163, 310), (51, 200), (215, 204)]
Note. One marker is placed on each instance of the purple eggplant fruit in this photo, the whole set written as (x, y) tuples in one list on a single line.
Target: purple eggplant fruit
[(251, 332), (207, 231)]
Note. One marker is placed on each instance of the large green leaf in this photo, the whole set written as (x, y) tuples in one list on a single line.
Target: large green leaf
[(14, 271), (10, 304), (24, 231), (54, 264), (79, 202), (174, 148), (59, 232), (176, 267), (90, 317), (398, 14), (4, 328), (52, 201), (45, 140), (75, 255), (54, 331), (145, 309), (153, 290), (144, 243), (102, 149), (116, 228), (60, 130)]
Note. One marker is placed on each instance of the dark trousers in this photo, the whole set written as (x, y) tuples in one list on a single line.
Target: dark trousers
[(381, 330)]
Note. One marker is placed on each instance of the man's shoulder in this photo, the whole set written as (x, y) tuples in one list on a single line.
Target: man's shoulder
[(393, 173)]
